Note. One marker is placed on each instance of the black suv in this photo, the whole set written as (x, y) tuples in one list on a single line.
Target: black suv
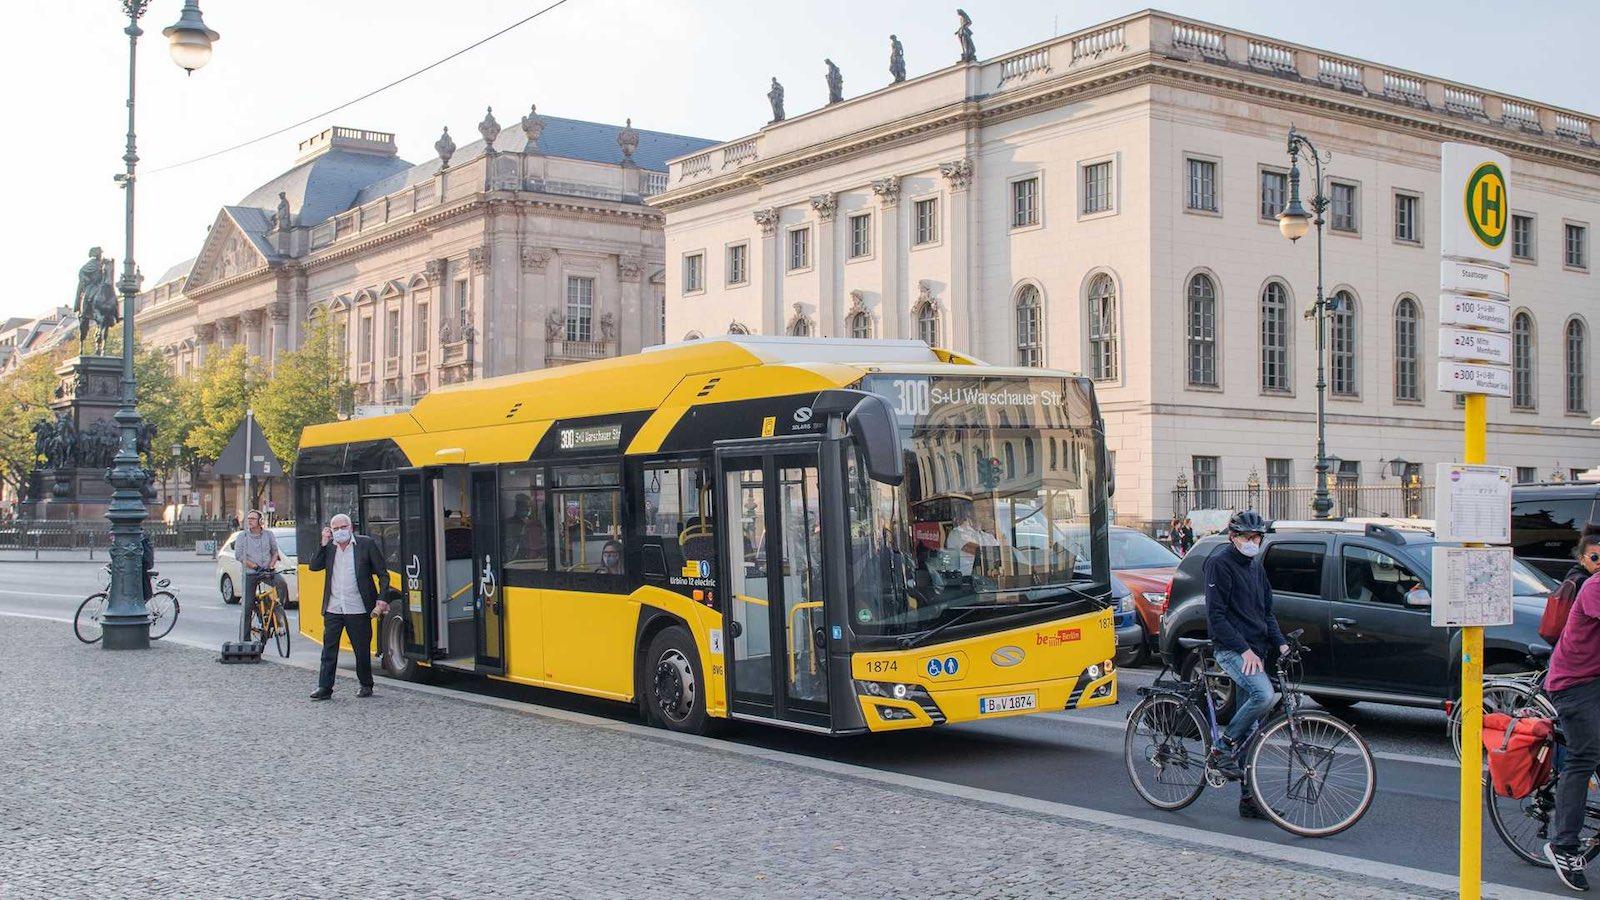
[(1360, 595), (1546, 520)]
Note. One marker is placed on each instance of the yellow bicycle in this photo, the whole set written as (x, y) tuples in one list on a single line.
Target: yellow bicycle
[(264, 616)]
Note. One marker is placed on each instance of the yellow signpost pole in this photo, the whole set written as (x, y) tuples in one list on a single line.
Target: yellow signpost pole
[(1470, 864)]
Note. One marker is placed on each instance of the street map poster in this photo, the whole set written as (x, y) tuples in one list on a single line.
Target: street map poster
[(1471, 586), (1472, 504)]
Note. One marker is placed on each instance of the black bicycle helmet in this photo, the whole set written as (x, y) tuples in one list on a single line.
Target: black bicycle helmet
[(1248, 521)]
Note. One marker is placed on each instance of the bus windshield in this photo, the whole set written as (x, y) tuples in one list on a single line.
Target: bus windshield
[(999, 512)]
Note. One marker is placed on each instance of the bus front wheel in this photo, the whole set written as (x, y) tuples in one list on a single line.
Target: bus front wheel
[(675, 686), (392, 646)]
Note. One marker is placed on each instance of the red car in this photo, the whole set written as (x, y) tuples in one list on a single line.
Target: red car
[(1146, 566)]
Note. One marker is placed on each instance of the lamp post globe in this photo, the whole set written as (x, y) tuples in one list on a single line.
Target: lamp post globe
[(1294, 222), (189, 38)]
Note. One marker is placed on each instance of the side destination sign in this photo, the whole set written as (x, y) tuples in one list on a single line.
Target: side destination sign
[(1474, 346), (1474, 378), (591, 437), (1474, 312), (1465, 277)]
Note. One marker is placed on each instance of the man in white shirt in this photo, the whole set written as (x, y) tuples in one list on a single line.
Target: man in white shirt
[(353, 591), (968, 539)]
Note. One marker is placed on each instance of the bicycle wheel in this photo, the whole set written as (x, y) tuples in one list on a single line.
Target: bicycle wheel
[(1311, 774), (86, 623), (280, 630), (1498, 696), (1165, 749), (255, 625), (1524, 824), (163, 608)]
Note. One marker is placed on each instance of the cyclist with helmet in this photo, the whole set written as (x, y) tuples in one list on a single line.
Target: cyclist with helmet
[(1243, 633)]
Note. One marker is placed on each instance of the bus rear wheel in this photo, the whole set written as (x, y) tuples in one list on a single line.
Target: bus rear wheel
[(675, 686)]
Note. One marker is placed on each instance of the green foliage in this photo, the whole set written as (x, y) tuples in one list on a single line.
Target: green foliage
[(224, 387), (25, 396), (308, 387)]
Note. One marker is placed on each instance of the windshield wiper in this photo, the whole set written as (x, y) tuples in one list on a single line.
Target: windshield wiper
[(962, 613)]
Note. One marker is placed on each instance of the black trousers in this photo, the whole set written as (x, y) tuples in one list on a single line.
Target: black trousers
[(360, 630), (1579, 708)]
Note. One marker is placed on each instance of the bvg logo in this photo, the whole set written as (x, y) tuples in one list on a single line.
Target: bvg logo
[(1486, 204)]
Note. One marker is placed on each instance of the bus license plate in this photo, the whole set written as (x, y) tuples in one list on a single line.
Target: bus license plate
[(1008, 703)]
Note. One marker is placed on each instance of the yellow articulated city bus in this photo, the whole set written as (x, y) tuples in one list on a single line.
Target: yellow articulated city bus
[(830, 535)]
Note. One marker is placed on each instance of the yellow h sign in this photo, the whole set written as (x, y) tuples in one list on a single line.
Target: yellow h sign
[(1486, 204)]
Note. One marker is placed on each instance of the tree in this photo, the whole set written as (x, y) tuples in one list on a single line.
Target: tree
[(167, 401), (224, 387), (25, 396), (308, 387)]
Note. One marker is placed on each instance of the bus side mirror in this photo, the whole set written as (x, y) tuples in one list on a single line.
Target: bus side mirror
[(873, 428)]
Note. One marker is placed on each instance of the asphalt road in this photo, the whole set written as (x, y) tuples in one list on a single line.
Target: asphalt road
[(1068, 758)]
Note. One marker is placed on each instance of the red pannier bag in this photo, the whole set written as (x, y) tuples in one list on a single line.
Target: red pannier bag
[(1521, 752)]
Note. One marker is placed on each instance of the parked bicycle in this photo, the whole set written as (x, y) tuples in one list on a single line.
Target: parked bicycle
[(264, 616), (1311, 774), (162, 605)]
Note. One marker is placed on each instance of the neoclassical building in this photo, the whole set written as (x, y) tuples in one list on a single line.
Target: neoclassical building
[(1105, 202), (528, 247)]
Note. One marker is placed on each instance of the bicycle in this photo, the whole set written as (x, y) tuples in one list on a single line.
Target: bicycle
[(1507, 693), (1311, 774), (162, 606), (1523, 824), (264, 616)]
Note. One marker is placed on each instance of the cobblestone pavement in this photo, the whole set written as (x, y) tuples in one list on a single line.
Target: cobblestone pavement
[(165, 774)]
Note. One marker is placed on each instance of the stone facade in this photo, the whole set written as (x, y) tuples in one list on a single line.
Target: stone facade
[(1114, 180)]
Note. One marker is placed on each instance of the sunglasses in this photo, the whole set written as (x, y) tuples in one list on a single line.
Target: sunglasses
[(1593, 557)]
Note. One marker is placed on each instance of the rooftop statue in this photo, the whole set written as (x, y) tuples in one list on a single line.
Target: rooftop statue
[(897, 59)]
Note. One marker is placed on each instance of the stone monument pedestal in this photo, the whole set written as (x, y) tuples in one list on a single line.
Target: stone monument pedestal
[(71, 485)]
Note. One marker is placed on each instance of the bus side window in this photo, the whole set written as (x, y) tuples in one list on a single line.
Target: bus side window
[(588, 519), (677, 519), (524, 535)]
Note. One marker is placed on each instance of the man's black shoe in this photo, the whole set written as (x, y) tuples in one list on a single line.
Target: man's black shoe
[(365, 691), (322, 693), (1569, 865), (1249, 810), (1224, 762)]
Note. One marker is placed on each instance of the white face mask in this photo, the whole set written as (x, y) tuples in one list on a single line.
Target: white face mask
[(1248, 548), (342, 535)]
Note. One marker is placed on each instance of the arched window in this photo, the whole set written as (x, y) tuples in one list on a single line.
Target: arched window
[(1011, 461), (1103, 328), (1274, 337), (1407, 335), (1028, 461), (861, 325), (693, 336), (928, 324), (1054, 459), (1202, 331), (738, 328), (1030, 327), (1577, 395), (1342, 345), (1522, 361), (800, 327), (961, 472)]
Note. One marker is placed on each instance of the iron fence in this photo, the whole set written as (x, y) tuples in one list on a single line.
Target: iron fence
[(23, 534), (1398, 500)]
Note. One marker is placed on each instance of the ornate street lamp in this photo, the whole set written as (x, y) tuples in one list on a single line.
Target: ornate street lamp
[(126, 622), (1294, 222)]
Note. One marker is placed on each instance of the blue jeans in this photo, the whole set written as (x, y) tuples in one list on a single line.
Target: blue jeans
[(1256, 693)]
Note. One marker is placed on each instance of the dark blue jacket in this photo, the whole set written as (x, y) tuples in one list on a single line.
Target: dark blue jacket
[(1239, 604)]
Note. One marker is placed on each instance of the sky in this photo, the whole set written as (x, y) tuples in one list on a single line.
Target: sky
[(697, 67)]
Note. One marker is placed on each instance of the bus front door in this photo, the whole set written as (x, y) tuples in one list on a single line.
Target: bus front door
[(488, 603), (416, 556), (772, 557)]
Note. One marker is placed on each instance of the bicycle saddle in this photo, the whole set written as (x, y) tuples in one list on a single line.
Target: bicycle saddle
[(1194, 643)]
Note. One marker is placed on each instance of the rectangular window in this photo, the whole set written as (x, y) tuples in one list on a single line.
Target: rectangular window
[(1406, 224), (1097, 187), (1295, 568), (1206, 483), (1274, 193), (462, 299), (525, 533), (419, 330), (366, 339), (927, 221), (738, 264), (1522, 237), (588, 507), (860, 235), (1344, 207), (676, 525), (1024, 202), (1347, 485), (1370, 576), (1203, 185), (1577, 246), (694, 273), (1527, 475), (391, 347), (799, 249), (1280, 488), (580, 308)]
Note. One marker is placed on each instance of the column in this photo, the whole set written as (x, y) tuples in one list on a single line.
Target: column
[(278, 313), (892, 308), (536, 306), (769, 270), (964, 331), (504, 297), (227, 333), (253, 322), (637, 316), (480, 312), (827, 266), (205, 336)]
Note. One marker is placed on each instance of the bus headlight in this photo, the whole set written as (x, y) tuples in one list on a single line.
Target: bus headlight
[(883, 689)]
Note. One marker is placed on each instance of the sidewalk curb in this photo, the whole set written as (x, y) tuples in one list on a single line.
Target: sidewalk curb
[(1332, 864)]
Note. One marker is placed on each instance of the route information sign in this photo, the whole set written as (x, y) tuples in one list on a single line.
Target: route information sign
[(1471, 586), (1473, 503)]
